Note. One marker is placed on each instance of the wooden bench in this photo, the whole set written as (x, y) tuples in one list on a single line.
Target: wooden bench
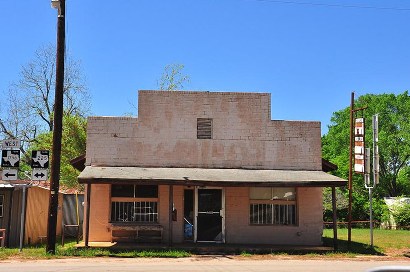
[(132, 232)]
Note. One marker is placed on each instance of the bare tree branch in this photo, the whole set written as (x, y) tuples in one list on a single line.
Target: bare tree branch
[(30, 105)]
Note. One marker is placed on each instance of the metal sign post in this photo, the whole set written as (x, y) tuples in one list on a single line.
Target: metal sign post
[(368, 183)]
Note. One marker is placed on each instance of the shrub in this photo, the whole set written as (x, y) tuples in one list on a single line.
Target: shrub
[(401, 215)]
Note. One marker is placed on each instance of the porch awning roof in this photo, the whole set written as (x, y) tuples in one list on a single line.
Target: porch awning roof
[(208, 177)]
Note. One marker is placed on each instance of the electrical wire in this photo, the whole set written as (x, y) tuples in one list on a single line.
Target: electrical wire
[(333, 5)]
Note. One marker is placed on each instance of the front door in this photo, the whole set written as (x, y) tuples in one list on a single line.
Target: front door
[(209, 215)]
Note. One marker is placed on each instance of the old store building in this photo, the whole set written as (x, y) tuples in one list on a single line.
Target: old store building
[(204, 167)]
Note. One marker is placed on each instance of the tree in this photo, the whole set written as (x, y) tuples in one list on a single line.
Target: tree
[(73, 144), (394, 143), (29, 109), (172, 78)]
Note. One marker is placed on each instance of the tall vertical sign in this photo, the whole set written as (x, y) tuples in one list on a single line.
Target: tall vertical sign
[(359, 147), (376, 149)]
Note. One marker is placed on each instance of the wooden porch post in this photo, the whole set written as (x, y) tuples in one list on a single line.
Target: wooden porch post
[(171, 204), (335, 246), (87, 218)]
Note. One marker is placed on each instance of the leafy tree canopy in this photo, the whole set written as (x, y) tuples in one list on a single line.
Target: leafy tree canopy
[(28, 109), (394, 142), (73, 145)]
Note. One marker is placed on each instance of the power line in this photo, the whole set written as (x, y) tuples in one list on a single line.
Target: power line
[(333, 5)]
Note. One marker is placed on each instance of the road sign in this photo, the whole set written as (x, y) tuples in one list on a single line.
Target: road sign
[(9, 174), (10, 158), (10, 144), (39, 158), (39, 174)]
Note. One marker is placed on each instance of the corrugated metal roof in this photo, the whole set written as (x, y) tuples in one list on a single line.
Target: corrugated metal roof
[(62, 189), (209, 177)]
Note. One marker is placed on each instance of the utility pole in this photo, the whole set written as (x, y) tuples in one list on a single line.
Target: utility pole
[(349, 219), (58, 128), (360, 171)]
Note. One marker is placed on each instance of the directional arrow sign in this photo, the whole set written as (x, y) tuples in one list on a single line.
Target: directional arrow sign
[(39, 174), (9, 174), (10, 158), (39, 158)]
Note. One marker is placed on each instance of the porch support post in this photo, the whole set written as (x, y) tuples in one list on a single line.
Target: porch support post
[(8, 230), (171, 204), (87, 218), (335, 246)]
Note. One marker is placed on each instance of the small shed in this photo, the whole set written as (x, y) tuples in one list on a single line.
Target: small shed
[(11, 196), (37, 214), (70, 212)]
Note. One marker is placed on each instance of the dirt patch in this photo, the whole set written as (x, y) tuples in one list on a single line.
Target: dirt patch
[(390, 256)]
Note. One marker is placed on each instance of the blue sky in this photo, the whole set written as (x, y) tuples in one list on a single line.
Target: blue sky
[(308, 55)]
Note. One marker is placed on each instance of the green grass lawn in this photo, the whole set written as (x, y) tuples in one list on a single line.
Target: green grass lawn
[(384, 240), (69, 250)]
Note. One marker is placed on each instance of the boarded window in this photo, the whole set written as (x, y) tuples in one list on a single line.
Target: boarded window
[(204, 128)]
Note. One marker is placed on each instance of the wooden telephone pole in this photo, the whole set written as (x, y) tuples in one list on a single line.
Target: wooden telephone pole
[(58, 129), (350, 185)]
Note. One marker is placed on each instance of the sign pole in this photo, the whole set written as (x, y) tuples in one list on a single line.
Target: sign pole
[(375, 123), (371, 216), (349, 218), (368, 184), (357, 137)]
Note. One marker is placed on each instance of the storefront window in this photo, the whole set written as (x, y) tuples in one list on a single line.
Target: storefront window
[(134, 203), (272, 206)]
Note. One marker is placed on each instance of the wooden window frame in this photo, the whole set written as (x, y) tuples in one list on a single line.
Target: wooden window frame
[(125, 199), (275, 202)]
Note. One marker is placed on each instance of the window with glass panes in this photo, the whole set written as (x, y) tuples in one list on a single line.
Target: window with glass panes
[(272, 206), (134, 203)]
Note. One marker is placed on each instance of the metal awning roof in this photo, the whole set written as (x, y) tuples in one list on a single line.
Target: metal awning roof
[(208, 177)]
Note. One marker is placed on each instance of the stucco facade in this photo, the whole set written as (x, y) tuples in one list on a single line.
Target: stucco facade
[(238, 229), (243, 134), (243, 137)]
